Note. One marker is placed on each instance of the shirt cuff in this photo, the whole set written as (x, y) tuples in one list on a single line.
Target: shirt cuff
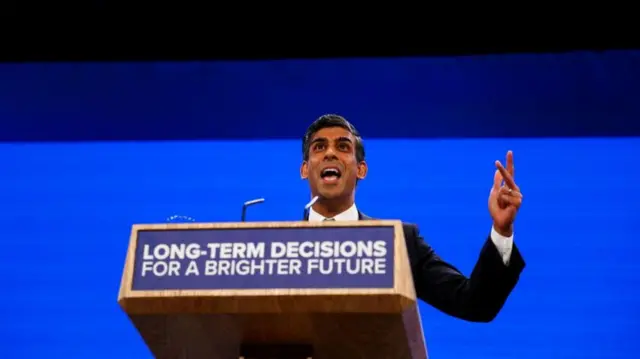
[(503, 244)]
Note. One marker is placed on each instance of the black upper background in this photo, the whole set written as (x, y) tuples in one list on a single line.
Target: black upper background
[(102, 31)]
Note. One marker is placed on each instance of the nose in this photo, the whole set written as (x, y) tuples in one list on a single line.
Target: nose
[(330, 154)]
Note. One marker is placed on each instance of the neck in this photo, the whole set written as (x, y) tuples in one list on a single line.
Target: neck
[(332, 207)]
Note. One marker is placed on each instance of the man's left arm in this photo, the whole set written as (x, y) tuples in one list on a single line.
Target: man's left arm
[(481, 296), (500, 258), (477, 298)]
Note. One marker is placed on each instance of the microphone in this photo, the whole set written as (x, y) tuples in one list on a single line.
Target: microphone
[(247, 204), (306, 208)]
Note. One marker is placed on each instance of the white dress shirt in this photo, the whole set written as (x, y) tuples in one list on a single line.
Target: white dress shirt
[(502, 243)]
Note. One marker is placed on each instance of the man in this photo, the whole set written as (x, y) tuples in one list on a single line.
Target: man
[(333, 163)]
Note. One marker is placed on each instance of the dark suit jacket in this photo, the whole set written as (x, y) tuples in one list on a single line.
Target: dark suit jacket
[(477, 298)]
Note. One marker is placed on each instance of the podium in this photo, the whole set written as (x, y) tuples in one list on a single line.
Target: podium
[(258, 290)]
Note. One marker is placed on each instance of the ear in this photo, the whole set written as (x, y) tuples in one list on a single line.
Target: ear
[(362, 170), (304, 170)]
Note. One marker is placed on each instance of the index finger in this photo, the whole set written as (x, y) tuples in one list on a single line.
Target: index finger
[(508, 179), (510, 166)]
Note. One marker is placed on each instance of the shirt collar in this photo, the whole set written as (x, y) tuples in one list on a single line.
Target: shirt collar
[(350, 214)]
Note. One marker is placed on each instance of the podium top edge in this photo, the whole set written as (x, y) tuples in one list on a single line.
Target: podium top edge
[(265, 225)]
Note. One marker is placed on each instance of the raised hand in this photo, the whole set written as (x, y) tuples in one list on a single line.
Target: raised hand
[(505, 198)]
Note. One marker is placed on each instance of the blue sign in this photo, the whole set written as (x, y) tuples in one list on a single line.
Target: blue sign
[(302, 258)]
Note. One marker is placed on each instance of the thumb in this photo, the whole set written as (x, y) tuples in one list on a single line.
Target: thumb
[(497, 180)]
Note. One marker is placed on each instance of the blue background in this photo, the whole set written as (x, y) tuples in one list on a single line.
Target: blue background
[(68, 203)]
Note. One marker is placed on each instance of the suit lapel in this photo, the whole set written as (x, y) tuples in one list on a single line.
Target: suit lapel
[(363, 217)]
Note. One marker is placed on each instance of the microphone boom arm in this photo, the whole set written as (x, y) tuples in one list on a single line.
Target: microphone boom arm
[(306, 208), (247, 204)]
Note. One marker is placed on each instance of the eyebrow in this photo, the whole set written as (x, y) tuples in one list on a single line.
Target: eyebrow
[(324, 139)]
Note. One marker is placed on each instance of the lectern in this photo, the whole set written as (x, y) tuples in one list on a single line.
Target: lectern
[(321, 290)]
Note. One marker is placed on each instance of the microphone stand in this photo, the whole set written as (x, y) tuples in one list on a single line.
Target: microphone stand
[(247, 204), (305, 214)]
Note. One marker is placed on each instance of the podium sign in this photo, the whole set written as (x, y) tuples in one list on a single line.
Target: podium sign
[(325, 290), (207, 259)]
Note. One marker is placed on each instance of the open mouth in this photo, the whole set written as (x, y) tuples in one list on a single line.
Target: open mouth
[(330, 175)]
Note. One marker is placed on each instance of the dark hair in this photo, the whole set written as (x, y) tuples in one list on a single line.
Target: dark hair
[(331, 120)]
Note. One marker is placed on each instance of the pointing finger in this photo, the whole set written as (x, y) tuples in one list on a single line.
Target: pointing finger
[(510, 167), (497, 180), (508, 179)]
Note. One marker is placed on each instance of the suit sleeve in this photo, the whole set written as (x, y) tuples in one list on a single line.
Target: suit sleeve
[(478, 298)]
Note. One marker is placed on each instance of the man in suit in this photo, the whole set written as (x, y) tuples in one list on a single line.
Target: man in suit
[(333, 163)]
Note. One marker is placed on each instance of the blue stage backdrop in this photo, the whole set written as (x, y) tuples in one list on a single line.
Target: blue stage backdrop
[(68, 208), (68, 203), (553, 95)]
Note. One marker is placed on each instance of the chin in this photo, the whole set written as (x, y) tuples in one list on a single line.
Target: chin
[(331, 193), (328, 195)]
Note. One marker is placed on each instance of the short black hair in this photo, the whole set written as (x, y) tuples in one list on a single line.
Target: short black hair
[(331, 120)]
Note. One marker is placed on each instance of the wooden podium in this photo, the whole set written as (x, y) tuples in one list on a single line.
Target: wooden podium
[(321, 290)]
